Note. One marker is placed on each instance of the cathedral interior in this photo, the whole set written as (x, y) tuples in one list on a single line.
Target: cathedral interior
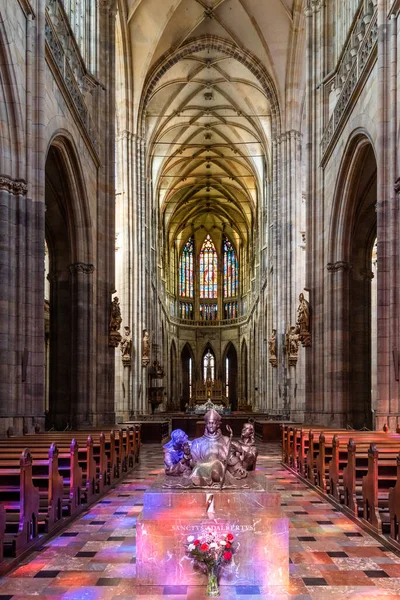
[(199, 207)]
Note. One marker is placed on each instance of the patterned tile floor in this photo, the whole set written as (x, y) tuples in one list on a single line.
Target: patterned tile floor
[(94, 559)]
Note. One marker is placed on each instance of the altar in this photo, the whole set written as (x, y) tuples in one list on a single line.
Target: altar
[(252, 514), (208, 391)]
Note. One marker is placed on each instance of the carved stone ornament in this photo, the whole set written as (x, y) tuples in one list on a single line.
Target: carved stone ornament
[(292, 344), (303, 321), (145, 348), (115, 337), (272, 349), (126, 347), (340, 265), (79, 267), (16, 187)]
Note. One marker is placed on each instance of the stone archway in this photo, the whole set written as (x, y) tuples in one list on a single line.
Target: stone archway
[(71, 291), (187, 368), (353, 236), (230, 370)]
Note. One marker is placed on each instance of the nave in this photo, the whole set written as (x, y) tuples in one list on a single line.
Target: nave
[(94, 558)]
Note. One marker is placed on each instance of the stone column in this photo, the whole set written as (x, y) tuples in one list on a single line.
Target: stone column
[(83, 405), (337, 343)]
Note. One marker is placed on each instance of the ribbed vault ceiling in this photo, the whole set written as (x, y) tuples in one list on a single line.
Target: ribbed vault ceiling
[(208, 114)]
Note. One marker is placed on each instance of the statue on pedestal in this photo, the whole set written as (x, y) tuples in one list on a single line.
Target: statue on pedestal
[(145, 348), (212, 460), (272, 349), (126, 346), (292, 344), (114, 337), (303, 321)]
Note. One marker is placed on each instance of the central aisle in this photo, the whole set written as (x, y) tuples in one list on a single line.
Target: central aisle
[(94, 559)]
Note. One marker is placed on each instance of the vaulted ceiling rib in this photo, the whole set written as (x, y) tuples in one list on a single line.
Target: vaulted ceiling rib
[(207, 111)]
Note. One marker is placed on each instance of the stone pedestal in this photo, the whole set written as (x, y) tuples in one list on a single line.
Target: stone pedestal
[(253, 515)]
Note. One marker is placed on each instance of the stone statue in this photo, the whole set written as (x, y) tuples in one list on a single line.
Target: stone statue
[(246, 448), (114, 337), (116, 319), (272, 349), (303, 321), (126, 346), (145, 348), (292, 344), (177, 457)]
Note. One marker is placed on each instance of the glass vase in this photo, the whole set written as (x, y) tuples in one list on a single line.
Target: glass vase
[(212, 590)]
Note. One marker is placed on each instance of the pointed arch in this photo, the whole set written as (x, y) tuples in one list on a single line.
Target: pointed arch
[(244, 372), (187, 370), (352, 234), (230, 375), (63, 165)]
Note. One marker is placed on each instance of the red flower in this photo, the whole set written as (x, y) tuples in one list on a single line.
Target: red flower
[(227, 545), (196, 542), (204, 547), (227, 555), (229, 537)]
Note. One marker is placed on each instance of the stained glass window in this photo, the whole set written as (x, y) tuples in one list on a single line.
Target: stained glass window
[(208, 269), (230, 310), (209, 366), (186, 270), (208, 312), (230, 270), (186, 310)]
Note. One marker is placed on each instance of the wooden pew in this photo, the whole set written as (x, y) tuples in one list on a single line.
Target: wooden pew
[(381, 476), (68, 467), (394, 505), (332, 458), (21, 504), (46, 478)]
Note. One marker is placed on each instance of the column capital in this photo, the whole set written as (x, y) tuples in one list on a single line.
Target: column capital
[(340, 265), (79, 267), (17, 187)]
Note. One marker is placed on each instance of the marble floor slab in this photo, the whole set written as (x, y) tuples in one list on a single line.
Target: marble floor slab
[(95, 557)]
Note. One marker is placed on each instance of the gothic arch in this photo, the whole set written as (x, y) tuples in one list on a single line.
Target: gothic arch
[(173, 375), (244, 375), (230, 378), (63, 152), (187, 375), (67, 233), (212, 42), (353, 231)]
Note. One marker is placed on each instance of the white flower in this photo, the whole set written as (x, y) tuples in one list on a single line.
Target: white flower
[(223, 543), (190, 538), (191, 546), (213, 545)]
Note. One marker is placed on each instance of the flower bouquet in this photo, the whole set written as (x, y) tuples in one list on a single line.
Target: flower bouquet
[(209, 551)]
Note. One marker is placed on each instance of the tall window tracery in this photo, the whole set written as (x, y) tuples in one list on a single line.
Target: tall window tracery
[(209, 366), (208, 269), (230, 270), (186, 278), (212, 286)]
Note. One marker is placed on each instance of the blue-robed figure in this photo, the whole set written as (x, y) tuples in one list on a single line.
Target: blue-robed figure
[(177, 456)]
